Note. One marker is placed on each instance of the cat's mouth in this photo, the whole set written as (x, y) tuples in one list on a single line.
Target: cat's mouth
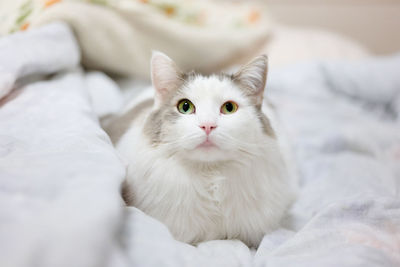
[(207, 144)]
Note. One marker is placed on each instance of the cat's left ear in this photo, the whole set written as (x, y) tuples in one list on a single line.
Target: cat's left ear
[(165, 76), (252, 78)]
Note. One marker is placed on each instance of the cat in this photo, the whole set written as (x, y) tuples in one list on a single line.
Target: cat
[(202, 155)]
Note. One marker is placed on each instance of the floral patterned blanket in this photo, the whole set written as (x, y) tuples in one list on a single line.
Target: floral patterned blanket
[(118, 36)]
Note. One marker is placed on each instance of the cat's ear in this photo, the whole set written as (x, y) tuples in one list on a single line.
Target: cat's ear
[(252, 78), (165, 76)]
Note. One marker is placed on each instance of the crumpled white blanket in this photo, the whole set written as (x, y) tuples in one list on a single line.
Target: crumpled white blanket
[(60, 177), (59, 174), (343, 121)]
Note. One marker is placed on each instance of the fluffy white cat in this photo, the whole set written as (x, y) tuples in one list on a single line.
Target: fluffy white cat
[(203, 157)]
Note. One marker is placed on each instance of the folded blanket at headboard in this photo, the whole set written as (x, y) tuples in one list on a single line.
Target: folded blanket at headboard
[(118, 36)]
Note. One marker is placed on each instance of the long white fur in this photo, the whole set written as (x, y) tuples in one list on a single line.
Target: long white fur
[(239, 190)]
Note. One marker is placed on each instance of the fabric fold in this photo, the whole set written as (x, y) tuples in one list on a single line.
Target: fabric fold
[(46, 50)]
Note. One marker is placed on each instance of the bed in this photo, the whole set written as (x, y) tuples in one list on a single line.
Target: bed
[(60, 177)]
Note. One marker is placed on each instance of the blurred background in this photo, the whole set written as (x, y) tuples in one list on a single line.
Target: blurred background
[(117, 36), (375, 23)]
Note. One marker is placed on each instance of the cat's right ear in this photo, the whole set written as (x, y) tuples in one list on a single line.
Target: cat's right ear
[(165, 76), (252, 78)]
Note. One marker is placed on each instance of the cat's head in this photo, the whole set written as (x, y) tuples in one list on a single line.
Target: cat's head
[(210, 118)]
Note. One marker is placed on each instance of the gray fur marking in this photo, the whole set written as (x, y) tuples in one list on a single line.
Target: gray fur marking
[(118, 127), (153, 127)]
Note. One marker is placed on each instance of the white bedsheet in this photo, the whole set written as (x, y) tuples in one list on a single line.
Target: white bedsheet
[(60, 177)]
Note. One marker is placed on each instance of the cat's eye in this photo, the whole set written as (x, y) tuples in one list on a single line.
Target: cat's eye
[(185, 106), (229, 107)]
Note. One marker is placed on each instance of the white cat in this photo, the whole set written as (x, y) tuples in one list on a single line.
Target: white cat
[(203, 157)]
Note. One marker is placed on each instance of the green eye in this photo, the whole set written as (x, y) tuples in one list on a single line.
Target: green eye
[(185, 106), (229, 107)]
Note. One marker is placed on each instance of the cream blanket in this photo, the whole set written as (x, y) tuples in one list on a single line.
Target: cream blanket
[(118, 36)]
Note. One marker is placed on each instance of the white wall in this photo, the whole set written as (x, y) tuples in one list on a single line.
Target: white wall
[(375, 23)]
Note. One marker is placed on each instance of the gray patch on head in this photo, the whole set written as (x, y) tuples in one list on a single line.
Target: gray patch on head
[(247, 91), (192, 75), (171, 116), (265, 123), (189, 76), (252, 78), (154, 125), (224, 76)]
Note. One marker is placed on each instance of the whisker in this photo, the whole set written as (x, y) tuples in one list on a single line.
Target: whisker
[(168, 144), (255, 144)]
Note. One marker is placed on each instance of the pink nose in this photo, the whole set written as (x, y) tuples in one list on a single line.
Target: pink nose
[(208, 127)]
